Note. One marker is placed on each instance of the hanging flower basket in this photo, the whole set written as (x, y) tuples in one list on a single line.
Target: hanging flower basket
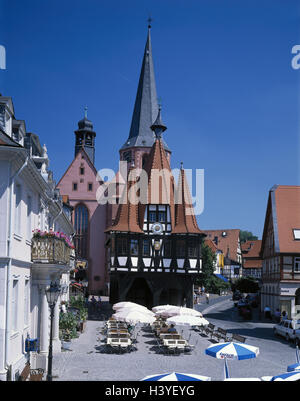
[(50, 247)]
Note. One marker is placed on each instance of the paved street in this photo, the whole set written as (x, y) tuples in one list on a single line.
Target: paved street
[(88, 360)]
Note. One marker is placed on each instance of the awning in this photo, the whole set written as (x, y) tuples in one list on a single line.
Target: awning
[(221, 277)]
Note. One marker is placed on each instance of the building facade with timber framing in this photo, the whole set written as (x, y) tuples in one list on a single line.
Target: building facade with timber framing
[(154, 242)]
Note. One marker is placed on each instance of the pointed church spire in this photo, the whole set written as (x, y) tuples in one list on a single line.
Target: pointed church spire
[(146, 107)]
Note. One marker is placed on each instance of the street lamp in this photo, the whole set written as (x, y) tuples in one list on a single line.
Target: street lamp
[(52, 293)]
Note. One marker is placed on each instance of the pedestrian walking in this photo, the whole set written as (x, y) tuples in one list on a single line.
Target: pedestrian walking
[(93, 302), (207, 297), (277, 315), (98, 305)]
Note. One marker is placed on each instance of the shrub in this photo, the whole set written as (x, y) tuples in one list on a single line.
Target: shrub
[(67, 325)]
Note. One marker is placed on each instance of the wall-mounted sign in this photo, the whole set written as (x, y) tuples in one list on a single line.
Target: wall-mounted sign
[(288, 291)]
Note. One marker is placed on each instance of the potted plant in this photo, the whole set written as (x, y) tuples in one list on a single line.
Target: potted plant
[(66, 339), (79, 304), (67, 325), (83, 317)]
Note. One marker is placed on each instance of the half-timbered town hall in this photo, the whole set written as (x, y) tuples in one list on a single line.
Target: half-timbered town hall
[(154, 240)]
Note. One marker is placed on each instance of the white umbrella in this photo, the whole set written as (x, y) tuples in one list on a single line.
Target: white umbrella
[(135, 308), (127, 304), (178, 310), (160, 308), (133, 316), (186, 320)]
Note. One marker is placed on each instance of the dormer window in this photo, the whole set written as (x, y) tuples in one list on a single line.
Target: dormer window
[(296, 232)]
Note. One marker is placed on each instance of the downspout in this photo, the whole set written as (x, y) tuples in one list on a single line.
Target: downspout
[(9, 239)]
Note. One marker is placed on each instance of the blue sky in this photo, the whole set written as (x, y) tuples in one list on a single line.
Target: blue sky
[(223, 70)]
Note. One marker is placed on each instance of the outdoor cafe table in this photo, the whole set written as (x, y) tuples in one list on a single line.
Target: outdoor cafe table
[(118, 335), (171, 336), (175, 343), (117, 328), (118, 332), (159, 332), (116, 324), (119, 343)]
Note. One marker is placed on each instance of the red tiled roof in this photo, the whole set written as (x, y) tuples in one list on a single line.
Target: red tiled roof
[(127, 218), (252, 264), (287, 200), (251, 249), (185, 221), (160, 190), (211, 244), (228, 243)]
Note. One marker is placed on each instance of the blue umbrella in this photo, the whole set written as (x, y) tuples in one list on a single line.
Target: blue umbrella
[(295, 366), (289, 376), (176, 377), (231, 350)]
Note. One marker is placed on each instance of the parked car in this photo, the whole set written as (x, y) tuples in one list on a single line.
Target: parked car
[(289, 329)]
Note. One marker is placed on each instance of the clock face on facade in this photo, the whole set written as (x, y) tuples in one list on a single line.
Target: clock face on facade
[(157, 228)]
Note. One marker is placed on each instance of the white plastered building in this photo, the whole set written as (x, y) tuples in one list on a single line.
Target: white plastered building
[(28, 201)]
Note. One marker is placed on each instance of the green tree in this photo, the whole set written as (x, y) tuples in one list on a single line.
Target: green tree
[(247, 236)]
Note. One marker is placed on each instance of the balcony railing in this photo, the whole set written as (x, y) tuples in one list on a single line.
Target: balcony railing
[(50, 250)]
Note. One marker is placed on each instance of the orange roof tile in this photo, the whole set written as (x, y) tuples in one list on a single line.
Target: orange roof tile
[(211, 244), (252, 264), (159, 190), (127, 218), (228, 243), (185, 218), (287, 199), (251, 249)]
